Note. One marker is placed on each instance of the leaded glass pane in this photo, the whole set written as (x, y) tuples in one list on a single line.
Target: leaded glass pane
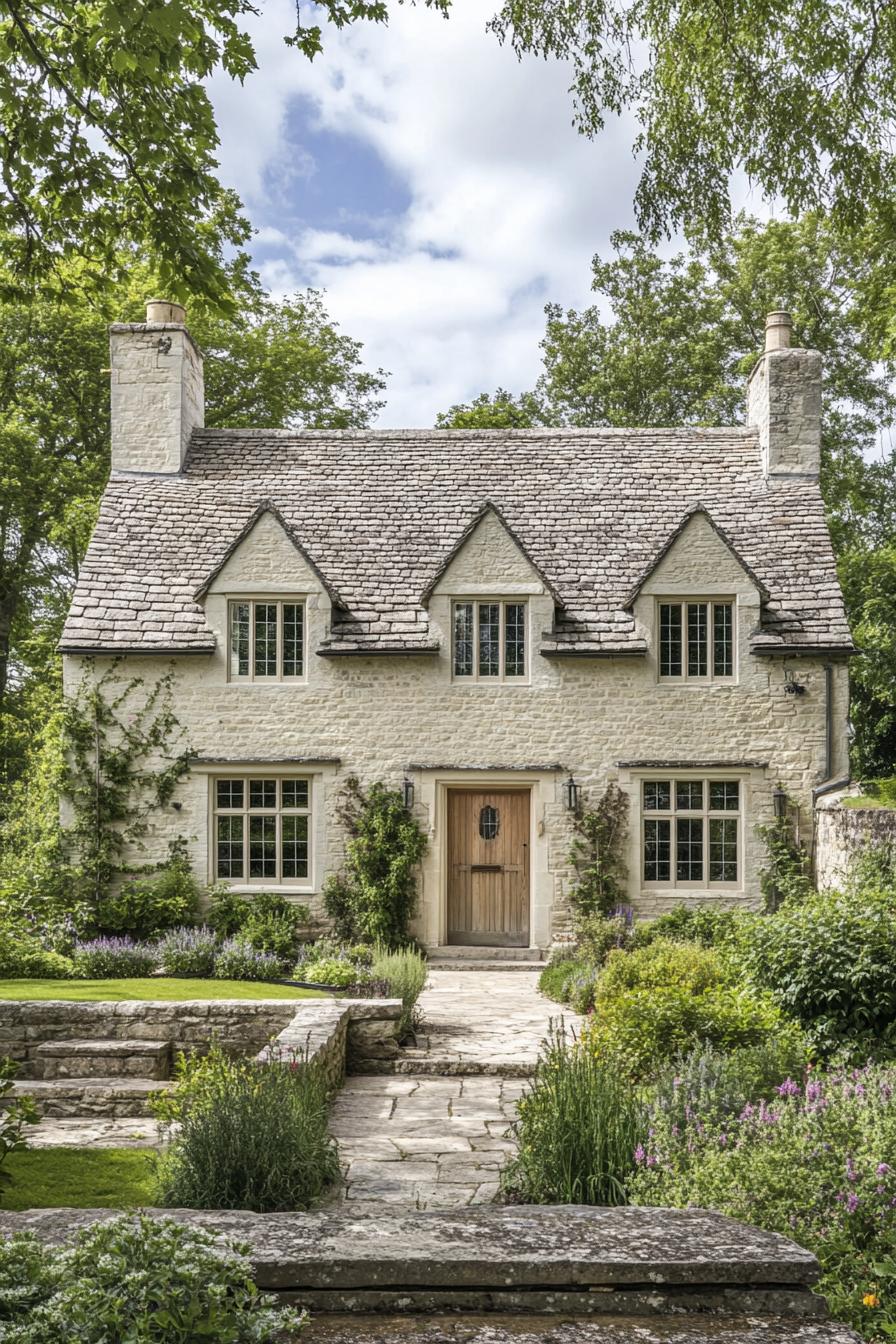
[(294, 846), (670, 639), (263, 793), (724, 795), (262, 846), (489, 821), (239, 639), (657, 795), (698, 652), (689, 849), (657, 850), (489, 639), (229, 832), (463, 639), (229, 792), (265, 639), (295, 792), (723, 640), (689, 795), (515, 639), (723, 849), (293, 638)]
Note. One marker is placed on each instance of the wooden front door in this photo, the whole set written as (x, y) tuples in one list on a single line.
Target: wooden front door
[(488, 867)]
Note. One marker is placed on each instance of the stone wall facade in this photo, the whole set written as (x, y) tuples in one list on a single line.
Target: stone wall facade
[(600, 720), (784, 402), (158, 395), (842, 834)]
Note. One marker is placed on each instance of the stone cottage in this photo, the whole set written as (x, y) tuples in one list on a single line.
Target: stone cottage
[(496, 622)]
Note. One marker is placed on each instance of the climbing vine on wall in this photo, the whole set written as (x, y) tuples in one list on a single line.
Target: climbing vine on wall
[(598, 854), (125, 753)]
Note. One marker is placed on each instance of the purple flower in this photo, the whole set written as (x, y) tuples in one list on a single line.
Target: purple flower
[(639, 1154), (882, 1168), (852, 1203), (788, 1088)]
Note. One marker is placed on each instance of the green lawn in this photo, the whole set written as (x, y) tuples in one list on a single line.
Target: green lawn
[(79, 1178), (151, 988)]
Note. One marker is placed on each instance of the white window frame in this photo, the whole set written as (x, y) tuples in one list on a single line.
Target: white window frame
[(676, 600), (502, 679), (244, 881), (254, 600), (706, 813)]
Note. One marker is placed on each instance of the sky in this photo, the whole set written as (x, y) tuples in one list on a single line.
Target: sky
[(433, 185)]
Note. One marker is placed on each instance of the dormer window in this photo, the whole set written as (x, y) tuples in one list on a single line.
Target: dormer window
[(696, 640), (267, 640), (490, 641)]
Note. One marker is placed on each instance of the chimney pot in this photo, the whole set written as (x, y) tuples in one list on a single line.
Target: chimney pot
[(778, 330), (162, 310)]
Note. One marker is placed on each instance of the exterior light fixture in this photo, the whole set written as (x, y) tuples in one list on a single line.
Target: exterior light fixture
[(407, 792), (779, 798), (571, 795)]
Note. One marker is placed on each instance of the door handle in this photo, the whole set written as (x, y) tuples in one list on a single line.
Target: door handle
[(486, 868)]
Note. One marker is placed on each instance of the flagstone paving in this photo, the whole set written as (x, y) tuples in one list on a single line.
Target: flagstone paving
[(436, 1134)]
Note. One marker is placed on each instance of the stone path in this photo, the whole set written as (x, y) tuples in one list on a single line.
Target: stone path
[(437, 1139), (133, 1132)]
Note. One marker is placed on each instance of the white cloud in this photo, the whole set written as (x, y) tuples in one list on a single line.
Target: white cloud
[(507, 202)]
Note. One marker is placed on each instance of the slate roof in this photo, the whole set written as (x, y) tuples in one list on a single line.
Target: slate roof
[(379, 512)]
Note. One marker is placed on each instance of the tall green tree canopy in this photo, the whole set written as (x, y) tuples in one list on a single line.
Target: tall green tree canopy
[(799, 95), (670, 341), (107, 134)]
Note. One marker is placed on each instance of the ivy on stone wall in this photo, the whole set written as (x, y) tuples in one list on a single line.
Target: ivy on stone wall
[(598, 854)]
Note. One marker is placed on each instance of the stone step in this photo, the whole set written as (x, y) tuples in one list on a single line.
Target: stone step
[(449, 952), (81, 1098), (502, 966), (102, 1059), (501, 1328)]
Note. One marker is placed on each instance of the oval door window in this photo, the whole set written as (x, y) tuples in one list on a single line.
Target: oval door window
[(488, 823)]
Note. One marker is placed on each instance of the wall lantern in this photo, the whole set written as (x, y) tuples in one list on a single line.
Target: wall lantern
[(779, 798), (407, 792), (571, 795)]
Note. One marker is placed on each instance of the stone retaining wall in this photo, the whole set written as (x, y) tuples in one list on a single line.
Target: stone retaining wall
[(842, 833)]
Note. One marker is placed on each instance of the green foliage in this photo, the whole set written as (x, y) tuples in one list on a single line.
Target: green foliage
[(146, 906), (577, 1128), (228, 911), (596, 936), (828, 961), (786, 874), (708, 925), (715, 1083), (598, 854), (157, 987), (554, 979), (274, 924), (800, 103), (81, 1178), (22, 957), (817, 1163), (247, 1134), (113, 959), (662, 964), (501, 411), (374, 898), (404, 971), (335, 972), (643, 1028), (188, 951), (236, 960), (14, 1116), (182, 1285)]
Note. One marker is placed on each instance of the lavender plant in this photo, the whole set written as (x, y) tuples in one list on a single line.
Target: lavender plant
[(113, 959), (188, 951)]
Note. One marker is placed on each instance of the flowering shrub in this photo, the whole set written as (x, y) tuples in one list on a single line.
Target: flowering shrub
[(662, 964), (236, 960), (113, 959), (144, 1280), (247, 1135), (817, 1162), (187, 951)]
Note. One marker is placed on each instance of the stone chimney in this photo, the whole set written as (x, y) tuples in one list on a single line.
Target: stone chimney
[(158, 397), (784, 403)]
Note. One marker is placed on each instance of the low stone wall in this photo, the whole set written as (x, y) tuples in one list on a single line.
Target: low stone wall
[(334, 1031), (842, 833)]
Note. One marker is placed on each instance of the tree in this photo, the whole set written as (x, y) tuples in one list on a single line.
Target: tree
[(799, 96), (501, 411), (107, 135), (279, 364)]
